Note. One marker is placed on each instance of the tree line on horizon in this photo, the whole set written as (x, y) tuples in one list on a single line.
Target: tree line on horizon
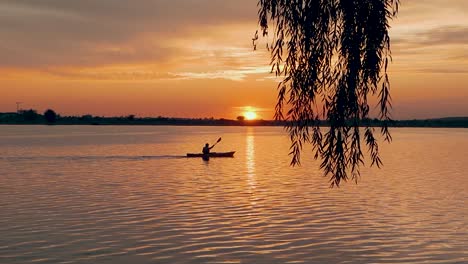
[(51, 117)]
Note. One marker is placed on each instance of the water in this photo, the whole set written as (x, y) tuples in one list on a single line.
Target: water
[(77, 194)]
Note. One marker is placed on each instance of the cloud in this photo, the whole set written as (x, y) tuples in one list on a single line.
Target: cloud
[(442, 49), (237, 74), (52, 33), (192, 39), (430, 29), (443, 70), (120, 73), (446, 35)]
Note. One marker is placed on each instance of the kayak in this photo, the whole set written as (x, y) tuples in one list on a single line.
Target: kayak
[(212, 155)]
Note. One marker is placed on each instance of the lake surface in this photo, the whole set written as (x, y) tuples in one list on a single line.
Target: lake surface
[(96, 194)]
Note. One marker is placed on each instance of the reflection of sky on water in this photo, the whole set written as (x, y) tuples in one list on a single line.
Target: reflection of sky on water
[(121, 200)]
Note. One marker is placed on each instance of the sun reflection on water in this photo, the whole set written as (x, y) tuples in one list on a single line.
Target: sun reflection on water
[(250, 164)]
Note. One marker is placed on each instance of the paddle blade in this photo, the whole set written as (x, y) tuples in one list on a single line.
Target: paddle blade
[(219, 139)]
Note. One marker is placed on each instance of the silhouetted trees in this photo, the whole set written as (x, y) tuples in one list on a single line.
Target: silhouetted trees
[(50, 116), (241, 118), (87, 117), (331, 55), (29, 115), (18, 118)]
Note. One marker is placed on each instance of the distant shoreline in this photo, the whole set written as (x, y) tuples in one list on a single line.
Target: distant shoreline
[(37, 119), (214, 125)]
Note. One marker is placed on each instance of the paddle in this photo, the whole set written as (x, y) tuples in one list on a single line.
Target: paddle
[(219, 139)]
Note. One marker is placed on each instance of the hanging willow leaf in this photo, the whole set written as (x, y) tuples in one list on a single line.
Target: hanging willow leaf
[(332, 55)]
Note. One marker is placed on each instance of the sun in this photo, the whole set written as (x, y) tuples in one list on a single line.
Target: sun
[(250, 115)]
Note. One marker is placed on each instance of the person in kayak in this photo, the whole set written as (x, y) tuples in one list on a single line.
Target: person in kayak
[(206, 151)]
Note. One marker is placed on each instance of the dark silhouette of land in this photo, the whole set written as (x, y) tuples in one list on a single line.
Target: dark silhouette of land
[(31, 117)]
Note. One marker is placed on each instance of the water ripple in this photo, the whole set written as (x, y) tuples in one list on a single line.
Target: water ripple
[(122, 208)]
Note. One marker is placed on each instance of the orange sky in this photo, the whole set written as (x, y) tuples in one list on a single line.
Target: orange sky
[(195, 59)]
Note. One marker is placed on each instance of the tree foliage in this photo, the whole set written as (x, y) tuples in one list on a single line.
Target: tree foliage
[(50, 116), (29, 115), (332, 56)]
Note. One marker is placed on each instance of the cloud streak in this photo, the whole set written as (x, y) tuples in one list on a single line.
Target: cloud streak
[(446, 35)]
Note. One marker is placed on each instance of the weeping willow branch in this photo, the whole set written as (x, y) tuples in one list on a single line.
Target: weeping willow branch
[(332, 55)]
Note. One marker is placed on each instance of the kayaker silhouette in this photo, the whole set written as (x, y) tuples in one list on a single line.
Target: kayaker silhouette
[(206, 154), (207, 148), (206, 151)]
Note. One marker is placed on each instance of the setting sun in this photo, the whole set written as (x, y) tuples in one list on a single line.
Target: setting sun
[(250, 115)]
